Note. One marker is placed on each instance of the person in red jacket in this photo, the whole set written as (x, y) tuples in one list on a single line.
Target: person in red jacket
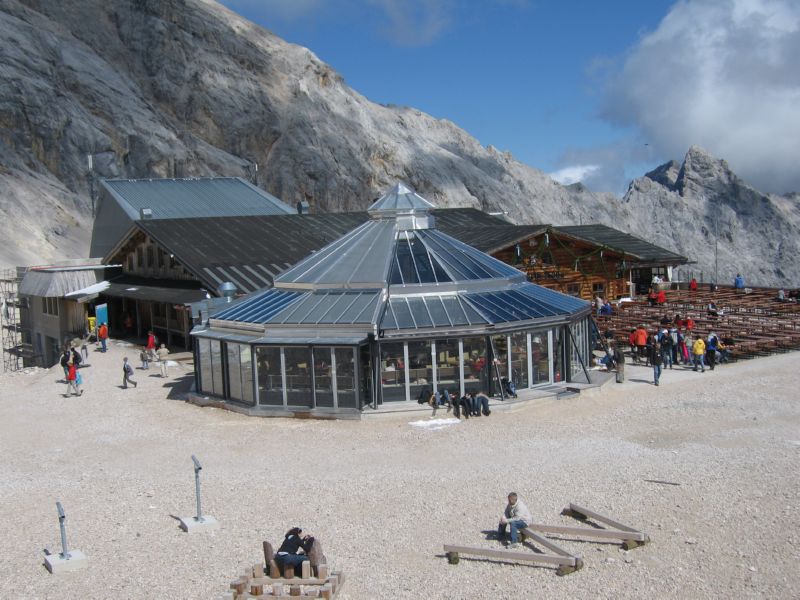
[(150, 347), (72, 380), (693, 285), (102, 335), (661, 298)]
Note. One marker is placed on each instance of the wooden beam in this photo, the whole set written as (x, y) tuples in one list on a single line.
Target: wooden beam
[(551, 559), (542, 541), (608, 534), (601, 518)]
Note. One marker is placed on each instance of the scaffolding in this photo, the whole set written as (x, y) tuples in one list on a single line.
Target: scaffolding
[(10, 330)]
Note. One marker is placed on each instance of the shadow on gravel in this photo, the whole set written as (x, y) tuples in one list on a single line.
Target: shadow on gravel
[(640, 380), (179, 387)]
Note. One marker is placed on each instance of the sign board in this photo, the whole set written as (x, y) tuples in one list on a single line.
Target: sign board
[(101, 314)]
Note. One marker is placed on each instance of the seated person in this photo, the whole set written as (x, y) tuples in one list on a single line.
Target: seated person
[(424, 395), (712, 309), (661, 297), (606, 309), (294, 549), (516, 516), (480, 403)]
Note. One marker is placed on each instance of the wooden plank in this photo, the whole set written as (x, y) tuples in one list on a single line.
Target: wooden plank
[(305, 570), (601, 518), (545, 542), (551, 559), (607, 534)]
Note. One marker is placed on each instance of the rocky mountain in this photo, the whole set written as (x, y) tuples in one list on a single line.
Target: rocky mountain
[(155, 88)]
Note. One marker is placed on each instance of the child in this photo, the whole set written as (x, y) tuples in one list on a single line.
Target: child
[(144, 355)]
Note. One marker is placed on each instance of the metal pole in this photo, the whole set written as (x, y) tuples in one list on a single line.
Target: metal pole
[(197, 469), (61, 519)]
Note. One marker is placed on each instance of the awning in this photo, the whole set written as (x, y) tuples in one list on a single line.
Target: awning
[(170, 295), (222, 335), (88, 293), (310, 341)]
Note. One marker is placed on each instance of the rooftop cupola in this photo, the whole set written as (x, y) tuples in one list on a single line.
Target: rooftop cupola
[(402, 203)]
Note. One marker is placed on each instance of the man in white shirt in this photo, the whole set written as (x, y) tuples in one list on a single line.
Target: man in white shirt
[(516, 516)]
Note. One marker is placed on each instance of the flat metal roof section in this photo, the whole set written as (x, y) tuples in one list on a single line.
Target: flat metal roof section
[(332, 308), (359, 259), (563, 302), (622, 242), (260, 307), (400, 198), (424, 312), (201, 197)]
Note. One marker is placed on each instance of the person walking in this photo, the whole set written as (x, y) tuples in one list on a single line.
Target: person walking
[(162, 354), (151, 345), (144, 356), (699, 353), (66, 357), (656, 359), (102, 335), (711, 350), (665, 339), (127, 374), (516, 516), (72, 380), (618, 357)]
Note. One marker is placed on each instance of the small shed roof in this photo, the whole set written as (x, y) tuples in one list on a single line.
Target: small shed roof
[(196, 197)]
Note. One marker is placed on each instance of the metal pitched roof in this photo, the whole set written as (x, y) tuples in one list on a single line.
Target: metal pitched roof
[(400, 198), (203, 197), (622, 242)]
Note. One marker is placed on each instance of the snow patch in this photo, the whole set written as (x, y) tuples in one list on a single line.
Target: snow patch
[(435, 424)]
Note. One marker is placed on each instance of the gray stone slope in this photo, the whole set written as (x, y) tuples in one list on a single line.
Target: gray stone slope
[(161, 88)]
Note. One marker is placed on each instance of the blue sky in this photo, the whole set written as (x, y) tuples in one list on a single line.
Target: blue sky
[(603, 90)]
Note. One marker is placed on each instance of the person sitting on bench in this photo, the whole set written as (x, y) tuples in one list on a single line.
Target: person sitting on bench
[(480, 403), (516, 516), (289, 554)]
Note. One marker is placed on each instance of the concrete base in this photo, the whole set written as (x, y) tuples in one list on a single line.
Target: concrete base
[(55, 563), (191, 524)]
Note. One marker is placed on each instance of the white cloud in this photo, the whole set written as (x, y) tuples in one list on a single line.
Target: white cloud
[(289, 10), (573, 173), (722, 74), (415, 22)]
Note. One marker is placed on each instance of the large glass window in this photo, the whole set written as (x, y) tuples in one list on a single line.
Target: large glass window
[(246, 363), (323, 377), (475, 368), (240, 373), (298, 376), (447, 372), (216, 369), (345, 377), (420, 368), (519, 359), (270, 382), (393, 372), (500, 366), (540, 357), (234, 372)]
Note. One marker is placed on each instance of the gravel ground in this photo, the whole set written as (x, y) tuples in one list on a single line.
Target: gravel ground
[(383, 496)]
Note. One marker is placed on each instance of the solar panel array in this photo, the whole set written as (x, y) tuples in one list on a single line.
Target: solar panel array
[(260, 307)]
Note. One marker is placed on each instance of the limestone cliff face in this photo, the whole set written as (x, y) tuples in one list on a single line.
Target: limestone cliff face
[(691, 206), (159, 88)]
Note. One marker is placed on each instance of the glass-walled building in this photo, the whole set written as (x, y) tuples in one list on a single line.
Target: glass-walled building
[(390, 312)]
